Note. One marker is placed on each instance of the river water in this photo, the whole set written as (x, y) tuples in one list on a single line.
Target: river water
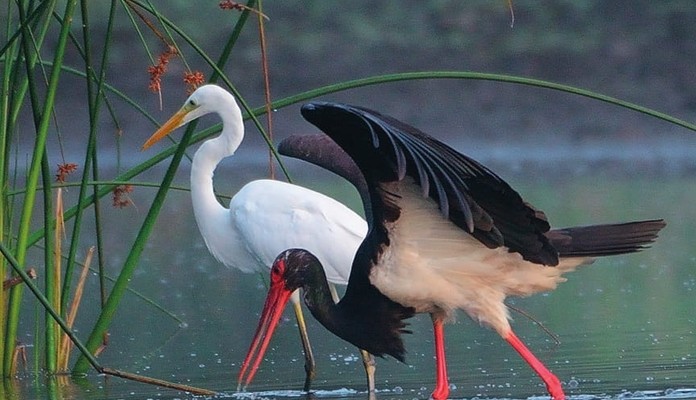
[(623, 327)]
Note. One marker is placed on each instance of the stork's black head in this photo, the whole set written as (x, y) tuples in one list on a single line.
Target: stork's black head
[(294, 268)]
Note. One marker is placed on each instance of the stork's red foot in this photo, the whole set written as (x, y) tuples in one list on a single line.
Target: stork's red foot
[(553, 385), (441, 391), (441, 382)]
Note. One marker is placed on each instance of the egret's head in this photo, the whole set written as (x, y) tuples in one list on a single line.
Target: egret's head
[(204, 100)]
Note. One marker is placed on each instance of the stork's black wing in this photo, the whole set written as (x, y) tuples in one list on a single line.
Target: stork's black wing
[(468, 194)]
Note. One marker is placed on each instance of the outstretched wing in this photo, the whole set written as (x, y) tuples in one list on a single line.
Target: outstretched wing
[(467, 193)]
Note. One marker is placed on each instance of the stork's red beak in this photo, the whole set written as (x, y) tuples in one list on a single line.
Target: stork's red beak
[(276, 300)]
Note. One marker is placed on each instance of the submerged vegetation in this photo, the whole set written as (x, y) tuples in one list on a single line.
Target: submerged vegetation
[(67, 71)]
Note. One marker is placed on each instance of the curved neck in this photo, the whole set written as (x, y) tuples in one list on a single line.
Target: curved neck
[(318, 298), (370, 321), (205, 204), (207, 210)]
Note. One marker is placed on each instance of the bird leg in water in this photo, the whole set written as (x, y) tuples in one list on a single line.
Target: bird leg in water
[(553, 384), (441, 382), (310, 365), (370, 367), (367, 358)]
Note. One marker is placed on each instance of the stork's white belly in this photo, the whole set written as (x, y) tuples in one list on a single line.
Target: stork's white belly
[(435, 266)]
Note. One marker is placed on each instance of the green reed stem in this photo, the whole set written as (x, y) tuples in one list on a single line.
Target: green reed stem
[(231, 41), (8, 51), (381, 79), (101, 82), (81, 347), (17, 267), (15, 296), (90, 163), (52, 272), (87, 164), (123, 279), (131, 262)]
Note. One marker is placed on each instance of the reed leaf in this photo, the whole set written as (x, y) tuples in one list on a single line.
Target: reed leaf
[(52, 265), (130, 264), (481, 76), (32, 180), (76, 341), (65, 343), (112, 302)]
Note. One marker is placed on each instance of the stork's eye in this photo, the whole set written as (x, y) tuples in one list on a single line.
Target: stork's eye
[(277, 269)]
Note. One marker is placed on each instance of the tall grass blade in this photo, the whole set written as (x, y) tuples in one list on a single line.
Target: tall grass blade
[(101, 82), (91, 360), (91, 166), (130, 264), (8, 53), (470, 75), (112, 302), (52, 267), (65, 344), (32, 179)]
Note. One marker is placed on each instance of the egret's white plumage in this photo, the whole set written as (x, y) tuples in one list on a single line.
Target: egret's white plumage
[(266, 216)]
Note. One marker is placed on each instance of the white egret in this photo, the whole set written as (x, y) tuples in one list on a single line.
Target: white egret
[(265, 216)]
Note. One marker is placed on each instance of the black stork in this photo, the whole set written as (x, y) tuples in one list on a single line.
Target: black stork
[(445, 233)]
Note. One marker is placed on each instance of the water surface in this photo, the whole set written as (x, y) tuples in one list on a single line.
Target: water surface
[(624, 327)]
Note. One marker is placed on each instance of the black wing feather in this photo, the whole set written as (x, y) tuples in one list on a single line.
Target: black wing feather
[(468, 193)]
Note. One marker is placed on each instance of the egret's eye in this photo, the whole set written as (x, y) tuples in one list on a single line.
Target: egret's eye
[(192, 102)]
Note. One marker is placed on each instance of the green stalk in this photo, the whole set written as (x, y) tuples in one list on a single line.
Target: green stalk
[(101, 78), (231, 41), (32, 57), (9, 54), (32, 180), (87, 164), (29, 62), (407, 76), (131, 262), (51, 333), (23, 22), (45, 302)]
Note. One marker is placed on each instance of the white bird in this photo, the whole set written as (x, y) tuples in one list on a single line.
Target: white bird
[(266, 216)]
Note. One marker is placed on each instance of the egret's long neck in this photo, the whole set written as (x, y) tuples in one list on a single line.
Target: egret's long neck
[(208, 211)]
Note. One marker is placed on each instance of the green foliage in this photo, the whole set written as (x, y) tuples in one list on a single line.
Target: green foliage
[(27, 25)]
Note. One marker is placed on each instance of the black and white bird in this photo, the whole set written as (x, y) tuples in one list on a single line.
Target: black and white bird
[(445, 234)]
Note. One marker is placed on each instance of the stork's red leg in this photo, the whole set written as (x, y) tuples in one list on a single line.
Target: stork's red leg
[(553, 385), (441, 383)]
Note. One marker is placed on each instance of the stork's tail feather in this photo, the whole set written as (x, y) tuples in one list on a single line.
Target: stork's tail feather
[(605, 240)]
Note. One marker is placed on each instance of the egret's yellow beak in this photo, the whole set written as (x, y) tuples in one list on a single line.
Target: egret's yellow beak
[(174, 122)]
